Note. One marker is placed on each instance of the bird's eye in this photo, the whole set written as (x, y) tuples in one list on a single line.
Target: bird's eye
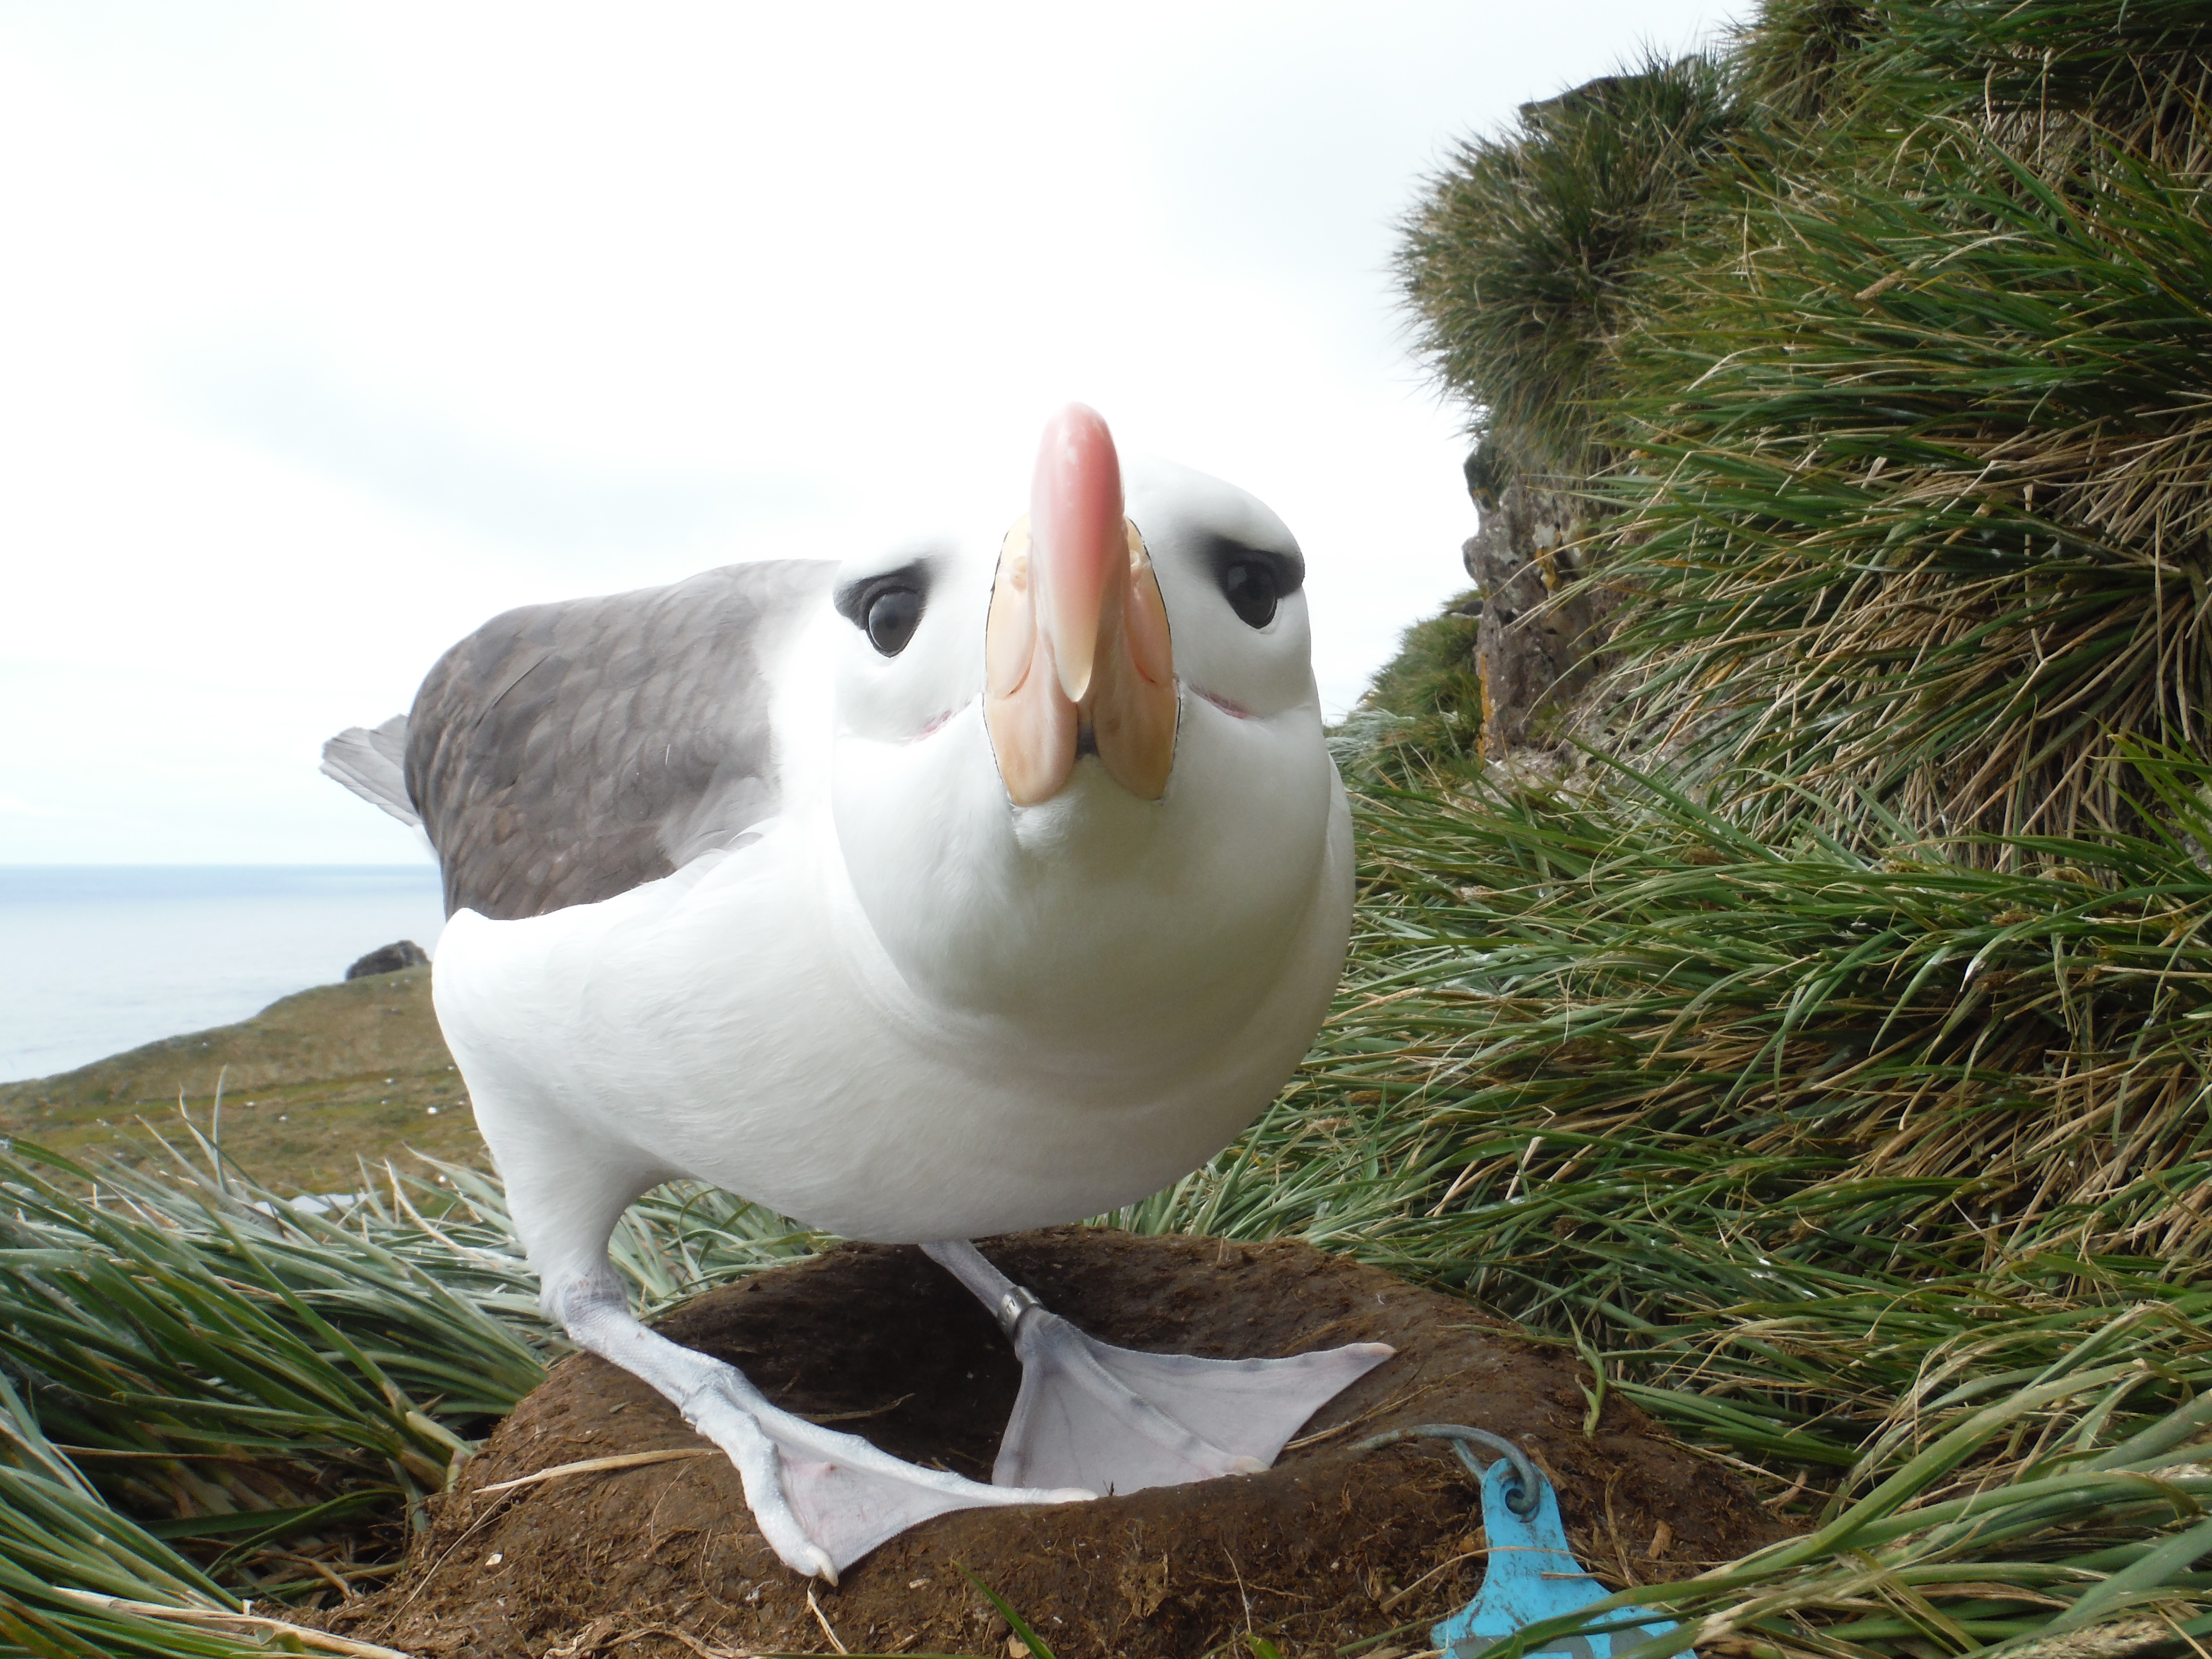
[(1249, 587), (893, 614)]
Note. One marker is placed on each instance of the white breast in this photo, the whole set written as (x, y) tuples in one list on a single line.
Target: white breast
[(741, 1023)]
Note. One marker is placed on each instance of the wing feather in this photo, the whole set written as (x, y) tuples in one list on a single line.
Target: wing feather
[(371, 761), (564, 753)]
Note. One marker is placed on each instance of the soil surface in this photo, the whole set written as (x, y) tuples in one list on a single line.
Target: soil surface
[(1326, 1548)]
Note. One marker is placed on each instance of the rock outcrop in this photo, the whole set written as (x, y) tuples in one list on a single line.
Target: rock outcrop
[(389, 959), (1538, 652)]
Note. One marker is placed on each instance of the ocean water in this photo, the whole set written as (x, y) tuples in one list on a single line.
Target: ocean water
[(98, 958)]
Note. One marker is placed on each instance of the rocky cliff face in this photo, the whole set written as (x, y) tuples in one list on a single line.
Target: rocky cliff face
[(1537, 651)]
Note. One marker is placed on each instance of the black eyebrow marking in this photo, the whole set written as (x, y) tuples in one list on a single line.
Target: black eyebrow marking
[(1220, 552), (854, 598)]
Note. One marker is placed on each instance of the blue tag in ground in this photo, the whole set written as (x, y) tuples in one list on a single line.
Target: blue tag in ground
[(1530, 1575)]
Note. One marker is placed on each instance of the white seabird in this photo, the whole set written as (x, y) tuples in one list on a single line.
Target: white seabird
[(927, 896)]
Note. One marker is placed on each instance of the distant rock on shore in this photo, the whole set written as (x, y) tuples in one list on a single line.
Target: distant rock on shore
[(389, 959)]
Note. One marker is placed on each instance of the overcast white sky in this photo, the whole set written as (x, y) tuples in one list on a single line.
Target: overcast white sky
[(328, 330)]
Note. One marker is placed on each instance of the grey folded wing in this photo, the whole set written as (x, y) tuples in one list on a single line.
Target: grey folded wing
[(372, 761), (564, 753)]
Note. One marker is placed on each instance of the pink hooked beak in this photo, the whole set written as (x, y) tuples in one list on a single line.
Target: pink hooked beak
[(1075, 588)]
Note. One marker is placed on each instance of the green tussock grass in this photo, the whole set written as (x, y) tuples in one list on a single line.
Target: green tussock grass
[(1882, 1178), (1518, 263), (1826, 1064), (1920, 494), (1880, 374), (210, 1396)]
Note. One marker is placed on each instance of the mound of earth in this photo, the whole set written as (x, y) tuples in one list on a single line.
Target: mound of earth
[(1326, 1548)]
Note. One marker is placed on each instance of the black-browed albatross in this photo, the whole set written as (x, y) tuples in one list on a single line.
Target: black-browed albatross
[(920, 898)]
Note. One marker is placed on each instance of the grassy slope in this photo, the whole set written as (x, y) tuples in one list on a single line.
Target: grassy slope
[(311, 1085), (1432, 694), (1849, 1135)]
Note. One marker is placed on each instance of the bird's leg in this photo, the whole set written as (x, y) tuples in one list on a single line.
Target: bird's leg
[(822, 1499), (1112, 1419)]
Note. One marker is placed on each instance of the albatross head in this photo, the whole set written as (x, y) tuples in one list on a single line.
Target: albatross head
[(1084, 766)]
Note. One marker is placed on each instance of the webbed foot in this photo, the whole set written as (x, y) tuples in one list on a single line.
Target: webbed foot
[(1103, 1418), (824, 1499)]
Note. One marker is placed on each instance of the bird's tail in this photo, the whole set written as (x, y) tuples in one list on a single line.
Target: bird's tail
[(373, 763)]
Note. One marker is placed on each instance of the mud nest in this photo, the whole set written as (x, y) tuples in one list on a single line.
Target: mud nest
[(1327, 1548)]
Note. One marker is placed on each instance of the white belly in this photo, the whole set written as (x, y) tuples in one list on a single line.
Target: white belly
[(734, 1023)]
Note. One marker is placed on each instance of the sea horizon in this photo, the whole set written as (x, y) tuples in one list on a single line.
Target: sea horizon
[(101, 959)]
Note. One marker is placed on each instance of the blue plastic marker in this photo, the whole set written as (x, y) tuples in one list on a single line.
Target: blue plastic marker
[(1531, 1575)]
